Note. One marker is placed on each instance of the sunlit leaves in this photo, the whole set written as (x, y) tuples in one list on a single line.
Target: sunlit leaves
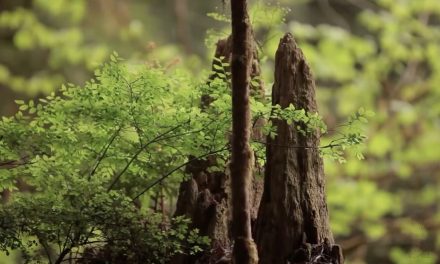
[(123, 130), (400, 256), (50, 30)]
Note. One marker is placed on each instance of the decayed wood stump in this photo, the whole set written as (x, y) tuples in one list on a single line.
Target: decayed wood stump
[(293, 222), (205, 198)]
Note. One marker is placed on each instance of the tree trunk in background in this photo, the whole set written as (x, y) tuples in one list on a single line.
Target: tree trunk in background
[(205, 198), (244, 251), (293, 222), (182, 24)]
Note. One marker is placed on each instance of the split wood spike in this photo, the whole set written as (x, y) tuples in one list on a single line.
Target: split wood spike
[(293, 217)]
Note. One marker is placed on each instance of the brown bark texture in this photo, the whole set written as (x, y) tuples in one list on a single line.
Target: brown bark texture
[(244, 251), (206, 197), (293, 223)]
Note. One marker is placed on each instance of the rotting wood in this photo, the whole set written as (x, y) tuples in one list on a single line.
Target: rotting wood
[(205, 198), (293, 216)]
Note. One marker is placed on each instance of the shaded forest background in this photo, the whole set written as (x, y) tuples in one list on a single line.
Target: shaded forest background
[(381, 55)]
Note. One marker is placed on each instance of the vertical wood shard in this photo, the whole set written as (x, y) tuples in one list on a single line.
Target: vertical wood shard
[(293, 211)]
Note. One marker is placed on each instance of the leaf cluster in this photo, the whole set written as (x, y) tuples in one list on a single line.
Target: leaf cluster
[(91, 153)]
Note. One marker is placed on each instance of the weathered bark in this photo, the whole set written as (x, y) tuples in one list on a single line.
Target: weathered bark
[(244, 251), (293, 217), (205, 198)]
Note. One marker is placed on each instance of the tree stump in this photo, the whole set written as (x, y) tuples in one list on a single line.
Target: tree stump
[(293, 223), (206, 197)]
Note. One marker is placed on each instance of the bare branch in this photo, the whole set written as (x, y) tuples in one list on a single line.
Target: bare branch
[(159, 180), (154, 140), (104, 152)]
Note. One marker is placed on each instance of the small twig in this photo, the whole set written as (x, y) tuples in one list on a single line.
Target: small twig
[(330, 145), (104, 152), (134, 99), (154, 140), (159, 180), (67, 238), (11, 164), (46, 249), (62, 255), (333, 14)]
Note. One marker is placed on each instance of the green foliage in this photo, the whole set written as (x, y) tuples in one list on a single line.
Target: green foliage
[(48, 26), (94, 220), (414, 256), (267, 23), (45, 43), (350, 136), (90, 152), (387, 61), (120, 135)]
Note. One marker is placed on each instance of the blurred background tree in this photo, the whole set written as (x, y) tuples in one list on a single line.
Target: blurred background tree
[(378, 54)]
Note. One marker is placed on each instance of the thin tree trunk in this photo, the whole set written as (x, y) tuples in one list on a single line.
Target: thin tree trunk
[(205, 198), (182, 24), (244, 251), (292, 222)]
